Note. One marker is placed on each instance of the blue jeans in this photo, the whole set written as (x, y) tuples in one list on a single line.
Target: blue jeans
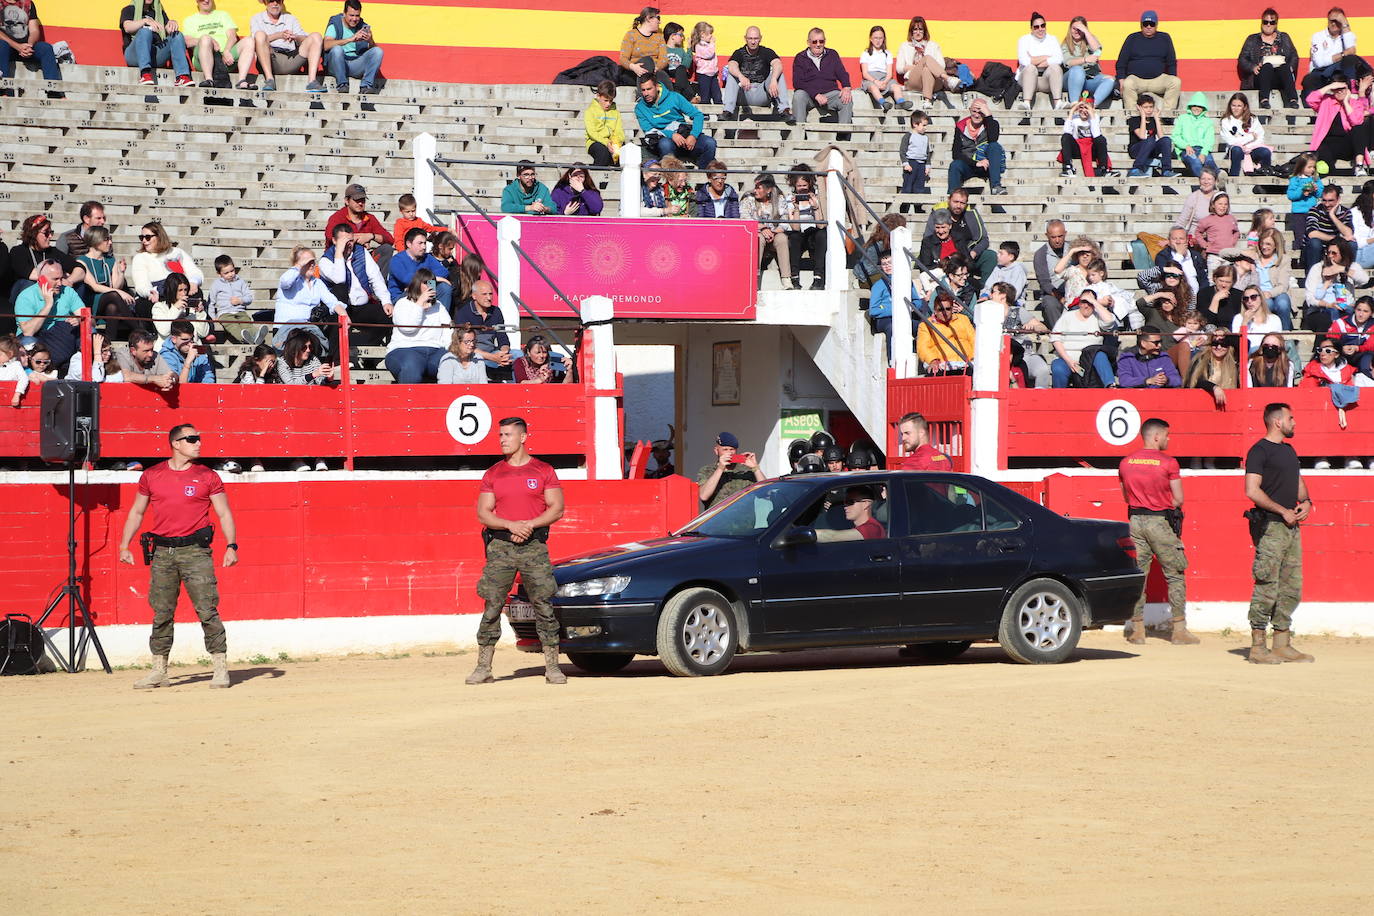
[(42, 52), (1282, 306), (1100, 86), (146, 52), (961, 170), (413, 365), (705, 150), (1260, 155), (1365, 256), (364, 67), (1145, 152), (1060, 370), (1192, 158)]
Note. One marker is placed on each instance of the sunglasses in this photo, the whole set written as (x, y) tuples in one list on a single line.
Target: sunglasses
[(191, 439), (1219, 345), (1327, 350), (1037, 25), (1269, 22), (147, 237), (1251, 298), (855, 502), (40, 361), (817, 41)]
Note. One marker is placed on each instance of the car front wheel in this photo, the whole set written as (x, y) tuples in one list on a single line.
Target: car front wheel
[(1041, 623), (601, 662), (697, 634)]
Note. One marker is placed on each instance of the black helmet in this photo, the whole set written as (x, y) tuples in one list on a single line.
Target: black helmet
[(798, 448), (810, 464), (860, 459), (832, 453), (821, 440)]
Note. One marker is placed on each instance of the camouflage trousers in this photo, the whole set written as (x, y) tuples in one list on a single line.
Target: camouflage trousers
[(193, 567), (1155, 540), (531, 561), (1278, 577)]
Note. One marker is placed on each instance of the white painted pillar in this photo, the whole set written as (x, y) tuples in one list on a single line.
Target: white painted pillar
[(607, 450), (836, 274), (903, 346), (508, 275), (423, 149), (631, 158), (986, 410)]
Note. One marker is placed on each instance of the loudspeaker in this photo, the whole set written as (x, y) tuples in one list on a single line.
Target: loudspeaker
[(69, 422)]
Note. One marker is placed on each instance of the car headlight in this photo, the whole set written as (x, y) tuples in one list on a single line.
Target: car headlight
[(607, 586)]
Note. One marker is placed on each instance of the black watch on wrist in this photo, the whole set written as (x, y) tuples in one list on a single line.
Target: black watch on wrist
[(232, 546)]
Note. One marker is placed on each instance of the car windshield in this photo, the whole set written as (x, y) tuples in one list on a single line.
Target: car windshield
[(749, 513)]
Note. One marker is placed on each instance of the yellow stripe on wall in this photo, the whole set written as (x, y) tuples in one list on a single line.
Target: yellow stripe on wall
[(418, 24)]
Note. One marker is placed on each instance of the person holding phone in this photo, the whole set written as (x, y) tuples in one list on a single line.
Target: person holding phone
[(350, 49), (188, 359), (731, 472)]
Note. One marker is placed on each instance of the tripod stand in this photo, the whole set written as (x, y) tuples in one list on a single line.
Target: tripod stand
[(76, 650)]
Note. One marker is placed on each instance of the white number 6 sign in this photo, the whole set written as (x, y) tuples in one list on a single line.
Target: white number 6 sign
[(468, 419), (1118, 422)]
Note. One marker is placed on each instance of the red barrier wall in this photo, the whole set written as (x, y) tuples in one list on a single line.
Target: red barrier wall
[(315, 548)]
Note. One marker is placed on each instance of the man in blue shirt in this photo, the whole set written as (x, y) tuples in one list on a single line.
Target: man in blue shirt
[(664, 117), (182, 356), (493, 346), (403, 266), (46, 312), (349, 49), (1147, 366)]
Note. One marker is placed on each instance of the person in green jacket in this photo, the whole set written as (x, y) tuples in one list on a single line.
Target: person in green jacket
[(526, 194), (1195, 135)]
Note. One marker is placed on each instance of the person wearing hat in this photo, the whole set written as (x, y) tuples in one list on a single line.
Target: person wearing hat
[(1147, 63), (662, 450), (731, 472), (833, 456), (368, 231)]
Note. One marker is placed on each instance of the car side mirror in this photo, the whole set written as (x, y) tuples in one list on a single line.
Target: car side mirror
[(795, 537)]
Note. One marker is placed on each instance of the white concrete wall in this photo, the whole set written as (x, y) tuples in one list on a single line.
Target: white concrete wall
[(650, 389)]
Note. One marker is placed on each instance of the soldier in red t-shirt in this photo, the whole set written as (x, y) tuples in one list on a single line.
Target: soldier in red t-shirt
[(858, 510), (1153, 489), (914, 435), (182, 491), (519, 499)]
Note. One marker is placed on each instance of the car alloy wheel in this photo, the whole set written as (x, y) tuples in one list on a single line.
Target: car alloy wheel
[(1045, 621), (705, 634), (697, 633)]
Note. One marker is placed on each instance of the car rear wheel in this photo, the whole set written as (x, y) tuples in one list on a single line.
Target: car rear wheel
[(935, 651), (601, 662), (1041, 623), (697, 634)]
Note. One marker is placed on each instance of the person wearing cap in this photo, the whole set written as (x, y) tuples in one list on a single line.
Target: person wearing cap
[(527, 194), (913, 433), (731, 472), (1147, 63), (662, 451), (368, 231), (833, 456)]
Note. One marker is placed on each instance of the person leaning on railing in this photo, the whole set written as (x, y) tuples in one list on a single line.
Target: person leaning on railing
[(1214, 370)]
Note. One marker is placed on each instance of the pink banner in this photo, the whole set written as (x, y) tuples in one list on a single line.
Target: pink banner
[(650, 268)]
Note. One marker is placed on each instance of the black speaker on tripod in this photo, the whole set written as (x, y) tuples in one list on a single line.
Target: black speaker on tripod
[(69, 429), (69, 434)]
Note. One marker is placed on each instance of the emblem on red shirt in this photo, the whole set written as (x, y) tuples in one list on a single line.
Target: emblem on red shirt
[(190, 491), (532, 483)]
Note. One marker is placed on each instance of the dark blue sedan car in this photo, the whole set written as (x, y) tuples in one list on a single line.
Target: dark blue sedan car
[(928, 561)]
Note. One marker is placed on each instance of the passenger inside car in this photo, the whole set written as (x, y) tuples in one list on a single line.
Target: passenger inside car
[(858, 511)]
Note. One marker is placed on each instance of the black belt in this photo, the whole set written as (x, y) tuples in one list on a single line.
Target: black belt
[(201, 537), (1137, 510)]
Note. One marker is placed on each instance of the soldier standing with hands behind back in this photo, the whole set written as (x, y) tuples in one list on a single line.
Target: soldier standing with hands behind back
[(519, 499), (1153, 488), (1273, 482)]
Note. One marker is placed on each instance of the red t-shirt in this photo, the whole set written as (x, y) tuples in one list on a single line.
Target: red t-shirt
[(927, 458), (948, 247), (180, 500), (369, 224), (520, 490), (1145, 475), (871, 529)]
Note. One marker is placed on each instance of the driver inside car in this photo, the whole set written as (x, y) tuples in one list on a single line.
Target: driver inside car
[(858, 511)]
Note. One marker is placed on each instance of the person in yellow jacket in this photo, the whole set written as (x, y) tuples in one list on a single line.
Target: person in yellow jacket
[(605, 132), (950, 352)]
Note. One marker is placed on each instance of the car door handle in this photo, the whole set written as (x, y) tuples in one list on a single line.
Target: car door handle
[(880, 557), (1007, 545)]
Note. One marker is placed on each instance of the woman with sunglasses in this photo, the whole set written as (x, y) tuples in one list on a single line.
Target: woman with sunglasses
[(1167, 297), (920, 65), (1268, 61), (41, 368), (1328, 369), (158, 257), (1329, 284), (1357, 330), (36, 237), (1214, 371), (1255, 318), (950, 351)]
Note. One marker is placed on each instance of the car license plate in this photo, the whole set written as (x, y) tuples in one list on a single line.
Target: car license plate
[(519, 610)]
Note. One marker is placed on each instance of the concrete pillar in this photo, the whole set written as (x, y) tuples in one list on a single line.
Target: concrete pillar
[(423, 149), (607, 456), (631, 157), (508, 275), (836, 274), (903, 347)]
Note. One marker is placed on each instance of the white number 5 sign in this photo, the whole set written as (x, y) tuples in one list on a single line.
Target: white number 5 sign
[(469, 419), (1118, 422)]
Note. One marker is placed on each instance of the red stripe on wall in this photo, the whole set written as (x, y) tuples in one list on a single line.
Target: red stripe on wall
[(503, 65)]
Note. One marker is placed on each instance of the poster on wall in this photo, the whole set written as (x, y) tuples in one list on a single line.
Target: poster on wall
[(725, 368)]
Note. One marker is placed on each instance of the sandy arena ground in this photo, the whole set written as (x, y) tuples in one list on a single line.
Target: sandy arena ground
[(1178, 780)]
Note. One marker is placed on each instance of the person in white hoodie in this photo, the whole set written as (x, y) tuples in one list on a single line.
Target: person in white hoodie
[(1040, 64), (1243, 135), (421, 335), (11, 369), (1083, 123), (158, 257)]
